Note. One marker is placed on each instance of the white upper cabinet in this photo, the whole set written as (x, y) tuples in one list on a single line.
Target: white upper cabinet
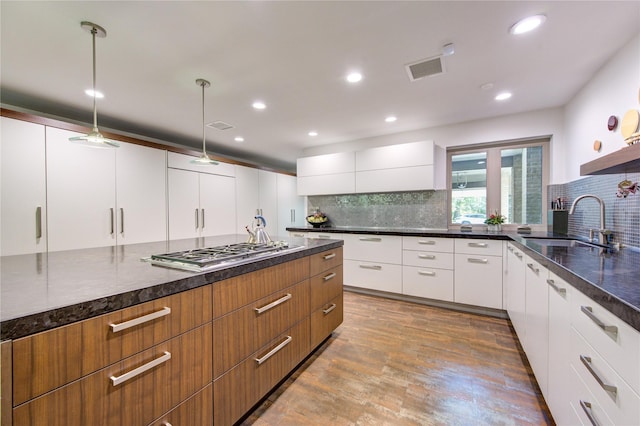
[(23, 187), (327, 174), (184, 204), (218, 210)]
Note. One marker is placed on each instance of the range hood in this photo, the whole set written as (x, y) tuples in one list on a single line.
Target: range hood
[(624, 160)]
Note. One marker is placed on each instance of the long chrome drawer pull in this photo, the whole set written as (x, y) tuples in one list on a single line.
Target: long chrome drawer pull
[(145, 318), (480, 245), (298, 235), (586, 360), (328, 277), (376, 267), (588, 311), (510, 249), (121, 221), (427, 273), (474, 260), (426, 256), (586, 407), (329, 256), (518, 255), (39, 222), (202, 218), (326, 237), (273, 351), (553, 285), (427, 242), (273, 304), (329, 309), (376, 239), (533, 268), (112, 220), (167, 424), (137, 371), (197, 223)]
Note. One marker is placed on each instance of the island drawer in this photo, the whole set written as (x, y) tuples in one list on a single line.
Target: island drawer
[(325, 287), (53, 358), (242, 332), (326, 260), (326, 319), (197, 410), (134, 391), (236, 292)]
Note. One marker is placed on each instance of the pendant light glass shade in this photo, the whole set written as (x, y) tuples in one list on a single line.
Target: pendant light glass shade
[(94, 138), (204, 159)]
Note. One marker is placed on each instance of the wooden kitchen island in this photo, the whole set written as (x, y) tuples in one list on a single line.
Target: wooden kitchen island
[(86, 341)]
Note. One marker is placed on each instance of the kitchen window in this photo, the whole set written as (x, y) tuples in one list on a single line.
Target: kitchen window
[(508, 178)]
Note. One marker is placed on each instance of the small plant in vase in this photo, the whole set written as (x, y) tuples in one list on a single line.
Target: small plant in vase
[(494, 221)]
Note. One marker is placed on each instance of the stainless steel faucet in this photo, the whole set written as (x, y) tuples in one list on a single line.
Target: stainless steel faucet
[(603, 234)]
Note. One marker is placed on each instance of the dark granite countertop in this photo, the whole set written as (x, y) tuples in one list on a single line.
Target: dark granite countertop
[(609, 277), (47, 290)]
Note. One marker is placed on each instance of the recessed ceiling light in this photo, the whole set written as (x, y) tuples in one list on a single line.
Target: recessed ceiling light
[(354, 77), (503, 96), (313, 133), (487, 86), (259, 105), (90, 92), (527, 24), (391, 119), (238, 139), (448, 49)]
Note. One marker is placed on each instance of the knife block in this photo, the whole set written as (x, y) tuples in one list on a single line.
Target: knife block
[(558, 221)]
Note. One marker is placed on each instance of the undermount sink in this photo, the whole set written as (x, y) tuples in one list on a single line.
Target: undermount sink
[(562, 242)]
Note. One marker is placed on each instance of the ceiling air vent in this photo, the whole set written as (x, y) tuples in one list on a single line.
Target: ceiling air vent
[(220, 125), (425, 68)]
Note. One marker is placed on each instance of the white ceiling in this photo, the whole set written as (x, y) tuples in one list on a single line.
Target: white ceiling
[(294, 56)]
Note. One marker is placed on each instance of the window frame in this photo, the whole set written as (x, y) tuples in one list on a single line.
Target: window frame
[(493, 167)]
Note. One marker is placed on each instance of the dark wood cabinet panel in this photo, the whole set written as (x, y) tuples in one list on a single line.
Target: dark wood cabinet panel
[(325, 260), (326, 286), (195, 411), (325, 320)]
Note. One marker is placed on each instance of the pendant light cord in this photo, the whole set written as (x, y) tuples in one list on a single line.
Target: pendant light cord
[(204, 148), (94, 31)]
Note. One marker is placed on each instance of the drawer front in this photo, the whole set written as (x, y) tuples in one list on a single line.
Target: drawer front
[(50, 359), (621, 349), (615, 397), (234, 293), (478, 280), (326, 260), (325, 320), (585, 406), (242, 332), (183, 367), (325, 287), (427, 259), (375, 276), (197, 410), (240, 388), (430, 283), (373, 248), (479, 247), (428, 244), (325, 235)]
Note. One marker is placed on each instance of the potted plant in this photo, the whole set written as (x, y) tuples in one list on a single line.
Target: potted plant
[(494, 222)]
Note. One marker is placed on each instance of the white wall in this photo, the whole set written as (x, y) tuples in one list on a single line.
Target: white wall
[(614, 90)]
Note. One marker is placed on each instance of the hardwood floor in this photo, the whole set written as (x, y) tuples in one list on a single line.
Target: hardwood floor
[(398, 363)]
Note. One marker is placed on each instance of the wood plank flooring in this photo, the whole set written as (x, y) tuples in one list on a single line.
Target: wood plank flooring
[(399, 363)]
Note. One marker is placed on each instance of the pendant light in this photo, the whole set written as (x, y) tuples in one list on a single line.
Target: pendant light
[(94, 138), (204, 159)]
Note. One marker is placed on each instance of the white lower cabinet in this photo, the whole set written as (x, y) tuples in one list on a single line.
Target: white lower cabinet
[(373, 262), (427, 269), (478, 272), (536, 340), (514, 287)]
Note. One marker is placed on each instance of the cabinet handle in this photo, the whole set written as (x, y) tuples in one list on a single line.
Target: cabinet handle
[(326, 237), (299, 235), (586, 407), (140, 320), (376, 267), (202, 218), (273, 351), (197, 223), (518, 255), (427, 242), (586, 360), (373, 239), (273, 304), (588, 311), (426, 256), (116, 380), (533, 268), (478, 245), (39, 222), (121, 221), (510, 249), (330, 276), (112, 220), (553, 285), (329, 256), (427, 273), (476, 260), (329, 309), (293, 216), (166, 424)]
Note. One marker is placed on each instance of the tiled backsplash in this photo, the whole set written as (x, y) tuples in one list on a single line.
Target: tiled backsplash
[(622, 214), (415, 209)]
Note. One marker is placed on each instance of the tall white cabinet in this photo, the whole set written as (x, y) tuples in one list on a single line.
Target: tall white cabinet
[(291, 206), (23, 188), (103, 197)]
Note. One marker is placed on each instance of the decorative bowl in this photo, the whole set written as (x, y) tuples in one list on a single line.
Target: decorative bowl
[(317, 221)]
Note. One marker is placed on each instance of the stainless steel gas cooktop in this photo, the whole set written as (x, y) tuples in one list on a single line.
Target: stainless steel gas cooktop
[(210, 258)]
